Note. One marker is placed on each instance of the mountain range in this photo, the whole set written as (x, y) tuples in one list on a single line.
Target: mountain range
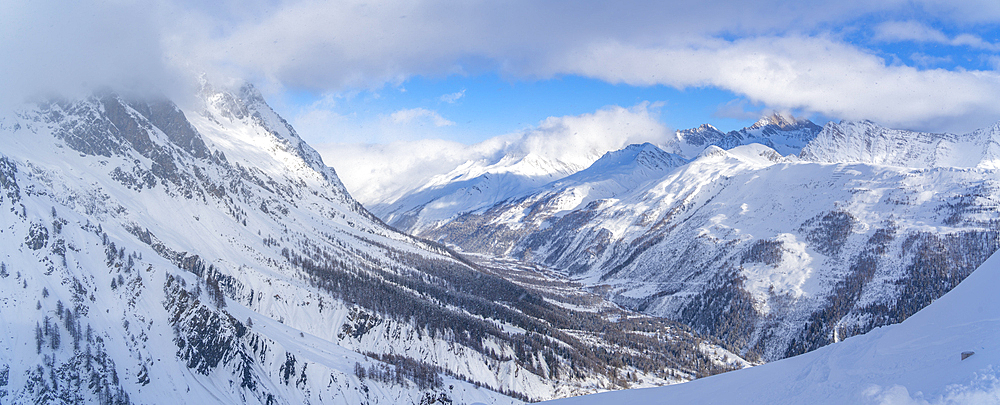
[(849, 227), (205, 253), (478, 184)]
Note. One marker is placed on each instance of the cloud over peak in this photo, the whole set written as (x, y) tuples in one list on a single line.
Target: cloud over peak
[(375, 172)]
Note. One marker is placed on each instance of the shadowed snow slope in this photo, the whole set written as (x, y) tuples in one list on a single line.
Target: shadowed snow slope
[(916, 361)]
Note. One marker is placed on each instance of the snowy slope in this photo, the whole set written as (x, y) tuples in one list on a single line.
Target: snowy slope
[(623, 170), (617, 172), (142, 260), (916, 361)]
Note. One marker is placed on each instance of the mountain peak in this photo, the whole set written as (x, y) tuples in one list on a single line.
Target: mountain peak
[(783, 133), (701, 129), (711, 151), (779, 120), (643, 147), (705, 128), (704, 134), (644, 154)]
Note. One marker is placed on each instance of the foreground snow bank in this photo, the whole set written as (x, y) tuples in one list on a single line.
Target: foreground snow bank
[(918, 361)]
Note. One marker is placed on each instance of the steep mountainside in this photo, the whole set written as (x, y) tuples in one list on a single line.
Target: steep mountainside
[(925, 359), (867, 142), (774, 255), (155, 254)]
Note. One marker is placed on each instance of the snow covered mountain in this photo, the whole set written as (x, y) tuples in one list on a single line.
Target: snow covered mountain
[(786, 135), (471, 186), (617, 172), (772, 254), (867, 142), (480, 184), (207, 254), (944, 354)]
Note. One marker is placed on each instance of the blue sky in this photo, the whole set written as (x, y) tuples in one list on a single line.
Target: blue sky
[(483, 106)]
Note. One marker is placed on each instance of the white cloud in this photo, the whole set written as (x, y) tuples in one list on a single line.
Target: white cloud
[(357, 44), (783, 59), (965, 12), (375, 172), (803, 73), (900, 31), (71, 48), (419, 115), (922, 59), (739, 109), (324, 122), (896, 31), (453, 97), (581, 139)]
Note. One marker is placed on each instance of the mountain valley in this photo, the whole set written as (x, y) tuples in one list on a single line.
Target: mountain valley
[(208, 254), (774, 254)]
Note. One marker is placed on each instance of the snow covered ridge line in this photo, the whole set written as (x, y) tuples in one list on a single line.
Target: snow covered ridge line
[(868, 142), (210, 256), (479, 184), (924, 360)]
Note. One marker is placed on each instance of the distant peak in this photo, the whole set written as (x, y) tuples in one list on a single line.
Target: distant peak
[(703, 128), (779, 120), (704, 134), (640, 147), (711, 151), (855, 123), (250, 93)]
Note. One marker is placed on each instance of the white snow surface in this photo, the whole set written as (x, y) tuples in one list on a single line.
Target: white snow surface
[(915, 362)]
